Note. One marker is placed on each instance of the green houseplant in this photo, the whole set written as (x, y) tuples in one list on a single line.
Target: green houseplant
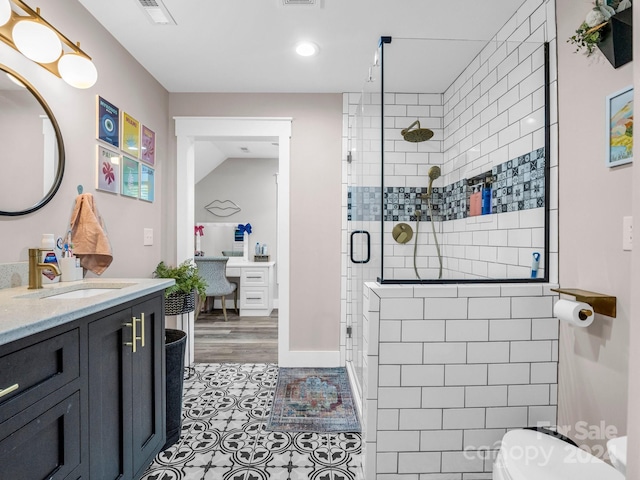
[(607, 27), (181, 297)]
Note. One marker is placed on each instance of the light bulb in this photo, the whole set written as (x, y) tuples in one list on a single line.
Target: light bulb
[(36, 41), (306, 49), (77, 70), (5, 11)]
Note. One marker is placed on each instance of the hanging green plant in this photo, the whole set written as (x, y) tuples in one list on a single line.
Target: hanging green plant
[(591, 31)]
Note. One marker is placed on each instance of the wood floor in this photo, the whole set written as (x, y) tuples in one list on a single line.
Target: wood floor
[(239, 340)]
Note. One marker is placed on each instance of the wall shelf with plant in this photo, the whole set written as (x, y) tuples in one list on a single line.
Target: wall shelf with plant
[(608, 26)]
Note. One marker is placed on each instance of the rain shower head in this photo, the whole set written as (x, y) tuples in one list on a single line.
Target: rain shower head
[(417, 134)]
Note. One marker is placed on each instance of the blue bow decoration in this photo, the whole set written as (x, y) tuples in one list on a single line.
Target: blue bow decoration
[(245, 228)]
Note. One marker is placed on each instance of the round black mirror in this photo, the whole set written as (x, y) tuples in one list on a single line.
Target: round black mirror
[(32, 154)]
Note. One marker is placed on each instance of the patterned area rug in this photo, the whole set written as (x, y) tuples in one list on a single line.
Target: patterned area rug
[(313, 400)]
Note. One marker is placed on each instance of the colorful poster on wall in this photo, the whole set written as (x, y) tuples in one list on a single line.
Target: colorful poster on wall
[(108, 171), (108, 122), (620, 127), (130, 177), (130, 135), (148, 145), (147, 183)]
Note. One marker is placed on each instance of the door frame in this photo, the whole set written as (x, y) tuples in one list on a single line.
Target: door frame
[(276, 129)]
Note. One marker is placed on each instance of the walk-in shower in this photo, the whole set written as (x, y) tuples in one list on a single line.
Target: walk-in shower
[(454, 132)]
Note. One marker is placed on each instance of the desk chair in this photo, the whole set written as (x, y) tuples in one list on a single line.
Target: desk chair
[(213, 270)]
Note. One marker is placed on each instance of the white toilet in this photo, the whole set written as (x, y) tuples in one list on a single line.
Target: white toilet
[(532, 455), (617, 448)]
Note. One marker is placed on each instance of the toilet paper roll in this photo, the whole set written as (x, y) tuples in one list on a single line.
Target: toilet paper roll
[(575, 313)]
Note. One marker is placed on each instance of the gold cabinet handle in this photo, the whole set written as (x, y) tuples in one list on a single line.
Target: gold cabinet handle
[(132, 343), (8, 390), (141, 320)]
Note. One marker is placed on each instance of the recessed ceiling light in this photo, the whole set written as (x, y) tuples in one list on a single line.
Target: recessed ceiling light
[(307, 49)]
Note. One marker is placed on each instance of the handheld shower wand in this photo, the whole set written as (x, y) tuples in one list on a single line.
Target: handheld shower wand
[(434, 173)]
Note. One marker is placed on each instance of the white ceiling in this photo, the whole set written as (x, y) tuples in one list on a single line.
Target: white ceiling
[(248, 46), (211, 153)]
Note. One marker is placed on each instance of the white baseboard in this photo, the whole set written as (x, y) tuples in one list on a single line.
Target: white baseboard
[(355, 389), (309, 359)]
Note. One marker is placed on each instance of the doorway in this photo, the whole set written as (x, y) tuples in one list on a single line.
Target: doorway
[(192, 129)]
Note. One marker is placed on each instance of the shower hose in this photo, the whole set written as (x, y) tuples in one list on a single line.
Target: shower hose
[(435, 239)]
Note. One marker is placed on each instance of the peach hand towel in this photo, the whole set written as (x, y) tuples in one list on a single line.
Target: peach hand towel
[(88, 235)]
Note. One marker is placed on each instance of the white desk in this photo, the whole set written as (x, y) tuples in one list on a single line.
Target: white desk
[(256, 286)]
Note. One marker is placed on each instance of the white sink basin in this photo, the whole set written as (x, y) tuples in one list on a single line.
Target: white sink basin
[(81, 293)]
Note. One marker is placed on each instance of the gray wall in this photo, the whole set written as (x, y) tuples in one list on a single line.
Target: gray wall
[(124, 82), (315, 196), (250, 183), (592, 201), (633, 422)]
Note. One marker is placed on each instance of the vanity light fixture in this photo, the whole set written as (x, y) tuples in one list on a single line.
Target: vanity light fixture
[(23, 29), (307, 49), (5, 12)]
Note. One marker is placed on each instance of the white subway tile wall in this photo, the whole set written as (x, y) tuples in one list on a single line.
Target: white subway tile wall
[(437, 398), (444, 399), (490, 117)]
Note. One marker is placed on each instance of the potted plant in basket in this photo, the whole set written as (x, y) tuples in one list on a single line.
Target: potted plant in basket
[(181, 297)]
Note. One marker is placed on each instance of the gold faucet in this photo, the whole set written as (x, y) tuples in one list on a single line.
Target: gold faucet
[(36, 267)]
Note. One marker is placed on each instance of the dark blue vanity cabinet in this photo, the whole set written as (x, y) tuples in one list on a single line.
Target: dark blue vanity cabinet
[(86, 406)]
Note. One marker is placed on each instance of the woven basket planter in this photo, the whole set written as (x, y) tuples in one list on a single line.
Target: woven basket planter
[(179, 303)]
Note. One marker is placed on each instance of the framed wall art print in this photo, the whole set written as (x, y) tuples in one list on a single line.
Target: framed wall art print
[(108, 121), (130, 177), (108, 170), (148, 145), (130, 135), (147, 183), (619, 132)]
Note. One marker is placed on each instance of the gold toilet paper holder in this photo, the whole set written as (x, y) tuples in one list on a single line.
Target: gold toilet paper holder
[(602, 304)]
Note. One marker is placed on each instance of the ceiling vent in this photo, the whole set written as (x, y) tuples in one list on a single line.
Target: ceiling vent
[(156, 12), (298, 3)]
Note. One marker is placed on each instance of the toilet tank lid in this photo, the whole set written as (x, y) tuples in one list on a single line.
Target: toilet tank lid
[(532, 455)]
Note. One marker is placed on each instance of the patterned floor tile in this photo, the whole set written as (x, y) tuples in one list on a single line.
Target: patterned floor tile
[(224, 435)]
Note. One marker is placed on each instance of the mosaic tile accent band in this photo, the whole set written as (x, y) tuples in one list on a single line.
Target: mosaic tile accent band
[(520, 183), (517, 185)]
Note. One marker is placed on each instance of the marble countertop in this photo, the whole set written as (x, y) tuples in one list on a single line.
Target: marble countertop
[(24, 312)]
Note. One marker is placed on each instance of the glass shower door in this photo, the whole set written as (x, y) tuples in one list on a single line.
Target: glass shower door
[(364, 209)]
